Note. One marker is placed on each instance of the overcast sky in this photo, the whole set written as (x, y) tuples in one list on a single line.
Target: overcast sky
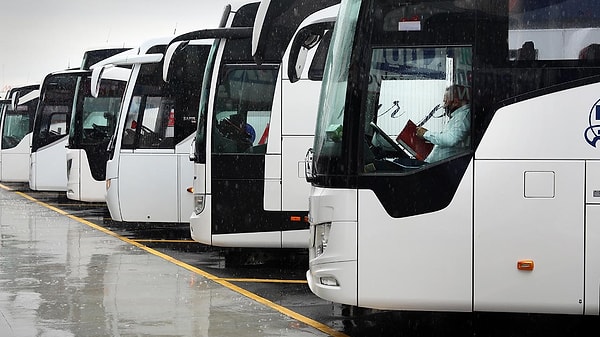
[(41, 36)]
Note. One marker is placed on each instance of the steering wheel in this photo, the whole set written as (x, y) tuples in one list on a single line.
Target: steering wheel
[(390, 141)]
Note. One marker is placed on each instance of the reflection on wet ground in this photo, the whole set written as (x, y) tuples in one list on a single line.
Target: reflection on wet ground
[(59, 277)]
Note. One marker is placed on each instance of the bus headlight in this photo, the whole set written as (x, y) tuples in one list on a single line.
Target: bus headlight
[(321, 237), (198, 203)]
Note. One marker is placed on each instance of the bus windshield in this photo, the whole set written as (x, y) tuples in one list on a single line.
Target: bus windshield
[(243, 109), (96, 115), (200, 144), (53, 114), (17, 123), (333, 91), (161, 114)]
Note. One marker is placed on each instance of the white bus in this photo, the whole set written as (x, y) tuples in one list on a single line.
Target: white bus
[(508, 223), (48, 164), (253, 128), (16, 124), (93, 122), (148, 173)]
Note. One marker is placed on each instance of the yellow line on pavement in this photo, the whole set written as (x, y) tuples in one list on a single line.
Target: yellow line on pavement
[(163, 241), (262, 280), (5, 187), (222, 281)]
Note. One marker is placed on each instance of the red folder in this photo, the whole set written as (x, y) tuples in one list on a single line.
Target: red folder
[(408, 138)]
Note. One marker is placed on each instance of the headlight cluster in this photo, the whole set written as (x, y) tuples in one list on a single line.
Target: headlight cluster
[(198, 203), (321, 237)]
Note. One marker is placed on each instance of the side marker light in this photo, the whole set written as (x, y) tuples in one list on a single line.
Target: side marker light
[(525, 264)]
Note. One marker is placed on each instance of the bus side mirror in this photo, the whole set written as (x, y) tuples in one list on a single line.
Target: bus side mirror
[(172, 49), (95, 82), (192, 155), (306, 39), (14, 100)]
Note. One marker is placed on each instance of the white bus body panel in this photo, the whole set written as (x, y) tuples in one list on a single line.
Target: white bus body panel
[(592, 260), (440, 255), (146, 186), (200, 229), (538, 128), (14, 162), (81, 185), (298, 128), (151, 185), (546, 182), (290, 134), (592, 237), (294, 188), (340, 258), (48, 167), (529, 210), (185, 179), (272, 198)]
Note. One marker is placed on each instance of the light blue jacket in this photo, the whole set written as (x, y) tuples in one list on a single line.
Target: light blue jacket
[(454, 138)]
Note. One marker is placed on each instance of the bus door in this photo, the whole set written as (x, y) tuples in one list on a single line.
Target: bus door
[(93, 122), (242, 115), (156, 140), (49, 140)]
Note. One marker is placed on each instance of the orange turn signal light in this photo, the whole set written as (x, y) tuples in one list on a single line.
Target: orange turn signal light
[(525, 264)]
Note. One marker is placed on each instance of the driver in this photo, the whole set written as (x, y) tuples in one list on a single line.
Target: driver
[(454, 138)]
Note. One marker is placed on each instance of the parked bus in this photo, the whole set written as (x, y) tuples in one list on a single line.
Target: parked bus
[(155, 128), (249, 188), (93, 122), (48, 165), (506, 222), (16, 124)]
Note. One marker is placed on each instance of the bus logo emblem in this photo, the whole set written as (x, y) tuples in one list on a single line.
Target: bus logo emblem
[(592, 131)]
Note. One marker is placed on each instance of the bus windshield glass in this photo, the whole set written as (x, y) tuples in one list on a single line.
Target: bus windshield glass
[(97, 115), (243, 109), (200, 144), (17, 123), (54, 111), (335, 78)]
